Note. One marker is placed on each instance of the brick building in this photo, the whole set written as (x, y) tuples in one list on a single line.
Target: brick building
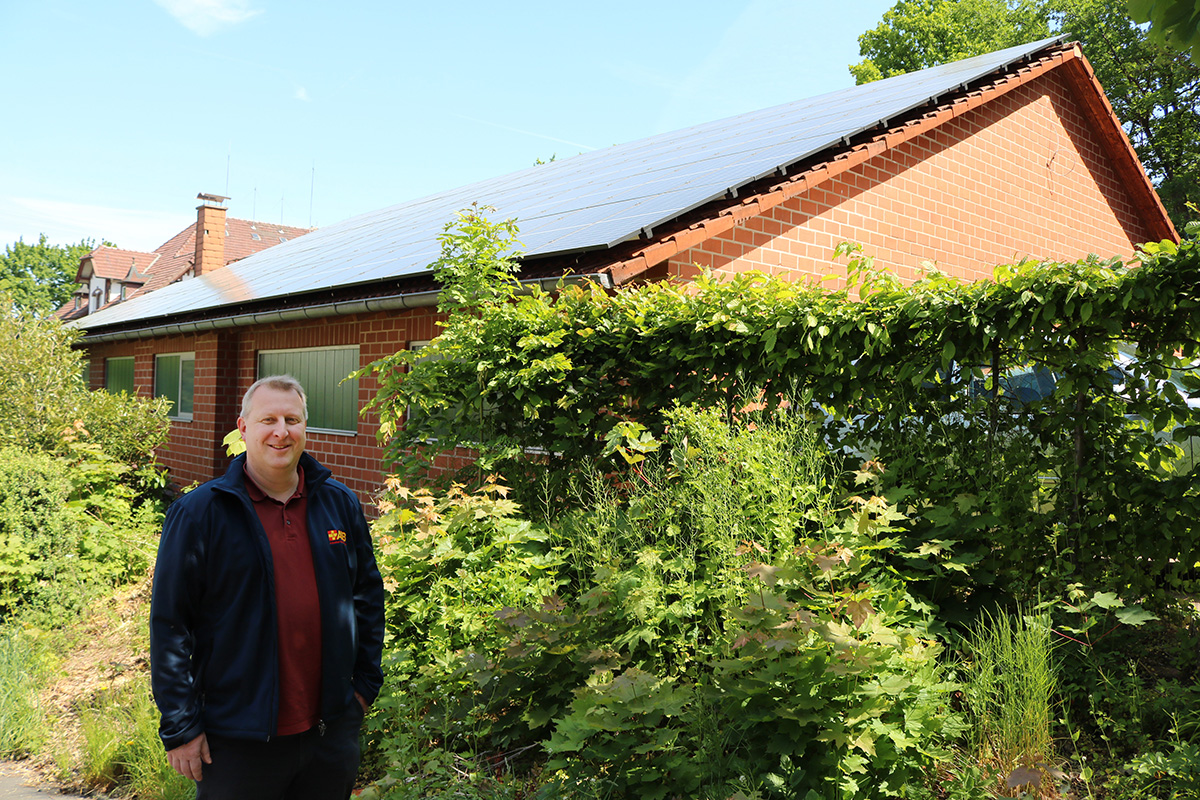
[(995, 158)]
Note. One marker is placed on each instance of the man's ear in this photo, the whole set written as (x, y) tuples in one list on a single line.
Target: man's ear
[(241, 425)]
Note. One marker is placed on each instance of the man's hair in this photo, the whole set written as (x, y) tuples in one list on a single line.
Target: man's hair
[(284, 383)]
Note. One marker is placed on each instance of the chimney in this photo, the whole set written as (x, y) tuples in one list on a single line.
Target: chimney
[(210, 234)]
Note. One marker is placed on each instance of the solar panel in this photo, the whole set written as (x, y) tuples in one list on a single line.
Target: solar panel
[(594, 200)]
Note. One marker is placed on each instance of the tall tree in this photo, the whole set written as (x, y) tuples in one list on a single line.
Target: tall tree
[(916, 34), (1155, 90), (40, 277), (1172, 22)]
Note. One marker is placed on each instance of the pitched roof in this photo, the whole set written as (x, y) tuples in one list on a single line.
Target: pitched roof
[(173, 259), (595, 201), (243, 238)]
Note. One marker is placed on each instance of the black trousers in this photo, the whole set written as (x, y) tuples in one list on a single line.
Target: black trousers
[(307, 766)]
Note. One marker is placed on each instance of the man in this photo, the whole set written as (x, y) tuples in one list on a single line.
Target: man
[(266, 623)]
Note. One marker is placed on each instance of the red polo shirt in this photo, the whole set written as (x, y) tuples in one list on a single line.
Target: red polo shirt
[(298, 607)]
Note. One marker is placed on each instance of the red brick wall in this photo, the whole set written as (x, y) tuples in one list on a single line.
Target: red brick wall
[(1024, 175), (226, 363)]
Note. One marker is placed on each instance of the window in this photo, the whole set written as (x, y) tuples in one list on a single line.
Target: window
[(174, 379), (332, 401), (118, 375), (485, 419)]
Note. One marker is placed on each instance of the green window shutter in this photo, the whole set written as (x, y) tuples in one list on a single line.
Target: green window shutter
[(174, 379), (332, 403), (118, 375)]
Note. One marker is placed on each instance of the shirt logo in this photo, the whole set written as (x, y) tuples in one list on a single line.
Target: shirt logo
[(337, 537)]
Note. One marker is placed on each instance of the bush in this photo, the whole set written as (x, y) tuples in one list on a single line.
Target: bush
[(45, 404), (1039, 494), (68, 528), (707, 622), (39, 532)]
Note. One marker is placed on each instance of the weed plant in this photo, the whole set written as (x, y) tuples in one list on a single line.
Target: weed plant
[(1009, 688)]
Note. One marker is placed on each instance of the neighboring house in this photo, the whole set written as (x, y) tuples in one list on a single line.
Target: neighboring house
[(968, 165), (110, 275)]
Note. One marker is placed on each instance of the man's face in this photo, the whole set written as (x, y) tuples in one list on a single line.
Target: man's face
[(273, 431)]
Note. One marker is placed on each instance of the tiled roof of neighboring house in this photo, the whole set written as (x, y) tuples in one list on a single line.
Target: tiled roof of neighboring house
[(114, 263), (243, 238), (173, 259), (619, 196)]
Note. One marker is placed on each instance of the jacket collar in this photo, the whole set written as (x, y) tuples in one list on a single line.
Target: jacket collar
[(234, 479)]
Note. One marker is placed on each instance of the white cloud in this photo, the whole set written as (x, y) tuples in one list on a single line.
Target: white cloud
[(301, 94), (204, 17), (68, 223)]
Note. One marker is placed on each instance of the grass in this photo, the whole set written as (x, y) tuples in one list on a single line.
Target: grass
[(122, 748), (22, 724), (1009, 689)]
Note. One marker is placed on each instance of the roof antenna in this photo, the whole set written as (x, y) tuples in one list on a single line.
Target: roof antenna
[(228, 158), (254, 205), (281, 211), (311, 184)]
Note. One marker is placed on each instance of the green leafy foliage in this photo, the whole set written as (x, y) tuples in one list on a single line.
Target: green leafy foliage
[(670, 630), (44, 403), (1173, 22), (68, 527), (40, 277), (915, 34), (80, 495), (1005, 499)]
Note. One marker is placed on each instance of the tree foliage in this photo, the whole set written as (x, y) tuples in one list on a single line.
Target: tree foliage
[(1173, 22), (1154, 90), (45, 404), (41, 277), (915, 34)]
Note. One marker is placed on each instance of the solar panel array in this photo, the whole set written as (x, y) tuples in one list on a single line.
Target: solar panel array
[(592, 201)]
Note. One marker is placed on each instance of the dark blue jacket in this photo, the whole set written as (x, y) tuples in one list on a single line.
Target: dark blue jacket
[(213, 661)]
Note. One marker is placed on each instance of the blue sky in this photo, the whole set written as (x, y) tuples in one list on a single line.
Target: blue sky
[(309, 112)]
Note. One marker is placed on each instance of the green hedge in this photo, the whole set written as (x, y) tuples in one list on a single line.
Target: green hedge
[(1081, 486)]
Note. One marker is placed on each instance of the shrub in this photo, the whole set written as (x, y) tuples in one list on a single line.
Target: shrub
[(705, 622), (39, 532), (1039, 495), (68, 527), (45, 404)]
